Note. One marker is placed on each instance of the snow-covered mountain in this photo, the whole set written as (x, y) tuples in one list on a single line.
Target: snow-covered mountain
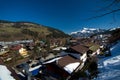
[(114, 28), (86, 32), (109, 67)]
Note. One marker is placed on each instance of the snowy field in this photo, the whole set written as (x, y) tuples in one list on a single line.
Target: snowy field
[(109, 67)]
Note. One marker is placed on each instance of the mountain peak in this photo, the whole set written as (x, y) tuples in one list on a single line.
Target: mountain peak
[(89, 28), (86, 32)]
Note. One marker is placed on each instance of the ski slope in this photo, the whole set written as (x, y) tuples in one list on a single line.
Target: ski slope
[(109, 67)]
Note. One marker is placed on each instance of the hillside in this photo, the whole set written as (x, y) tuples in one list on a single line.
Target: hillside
[(115, 34), (27, 30)]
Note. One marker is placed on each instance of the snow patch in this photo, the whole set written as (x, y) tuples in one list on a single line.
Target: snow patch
[(110, 66), (55, 59), (34, 68), (112, 61), (5, 74), (71, 67)]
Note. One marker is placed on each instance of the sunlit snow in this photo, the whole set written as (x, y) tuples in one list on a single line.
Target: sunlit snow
[(71, 67), (5, 74), (109, 67)]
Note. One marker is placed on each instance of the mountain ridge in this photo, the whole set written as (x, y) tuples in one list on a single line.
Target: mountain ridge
[(87, 32), (27, 30)]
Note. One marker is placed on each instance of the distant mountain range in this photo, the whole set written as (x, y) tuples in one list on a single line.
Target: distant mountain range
[(87, 32), (10, 31)]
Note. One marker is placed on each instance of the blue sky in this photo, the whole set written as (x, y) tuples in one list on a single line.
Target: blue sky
[(66, 15)]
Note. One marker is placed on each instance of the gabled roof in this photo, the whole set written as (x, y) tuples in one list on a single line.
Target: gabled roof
[(67, 60), (94, 47), (62, 66), (80, 49)]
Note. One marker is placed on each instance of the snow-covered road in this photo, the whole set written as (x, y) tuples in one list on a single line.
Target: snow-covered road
[(109, 67)]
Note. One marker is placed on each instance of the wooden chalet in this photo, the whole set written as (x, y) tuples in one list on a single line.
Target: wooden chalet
[(77, 50), (62, 67)]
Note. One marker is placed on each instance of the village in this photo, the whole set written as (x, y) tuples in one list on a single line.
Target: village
[(59, 40), (55, 59)]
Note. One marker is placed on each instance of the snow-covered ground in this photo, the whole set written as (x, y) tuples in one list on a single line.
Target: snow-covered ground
[(5, 74), (109, 67)]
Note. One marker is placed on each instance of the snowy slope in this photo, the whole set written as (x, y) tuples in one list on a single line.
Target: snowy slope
[(110, 67)]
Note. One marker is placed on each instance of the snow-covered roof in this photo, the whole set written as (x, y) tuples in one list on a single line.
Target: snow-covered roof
[(71, 67), (5, 74), (55, 59), (34, 68), (60, 48), (21, 74)]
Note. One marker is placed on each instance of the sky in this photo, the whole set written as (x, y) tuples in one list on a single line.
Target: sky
[(65, 15)]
